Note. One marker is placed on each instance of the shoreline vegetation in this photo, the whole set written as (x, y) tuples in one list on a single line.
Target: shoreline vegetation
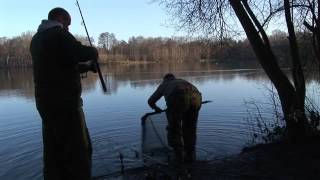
[(14, 52)]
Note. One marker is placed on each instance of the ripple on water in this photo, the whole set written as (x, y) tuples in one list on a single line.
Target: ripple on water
[(114, 121)]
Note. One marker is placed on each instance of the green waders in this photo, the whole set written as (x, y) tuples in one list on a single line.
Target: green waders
[(67, 146), (182, 114)]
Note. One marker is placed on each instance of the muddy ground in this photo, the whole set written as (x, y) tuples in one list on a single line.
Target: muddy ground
[(282, 160)]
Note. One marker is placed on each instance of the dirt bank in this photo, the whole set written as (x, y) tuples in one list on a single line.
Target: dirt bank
[(268, 161)]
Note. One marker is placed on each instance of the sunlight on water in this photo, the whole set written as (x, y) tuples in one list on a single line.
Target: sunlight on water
[(113, 118)]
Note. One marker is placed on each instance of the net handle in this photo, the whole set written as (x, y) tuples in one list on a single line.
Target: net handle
[(144, 117)]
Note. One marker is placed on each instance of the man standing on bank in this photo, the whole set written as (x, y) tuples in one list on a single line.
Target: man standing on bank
[(56, 55), (183, 104)]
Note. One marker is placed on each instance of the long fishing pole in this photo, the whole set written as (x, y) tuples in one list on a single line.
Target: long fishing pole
[(96, 60)]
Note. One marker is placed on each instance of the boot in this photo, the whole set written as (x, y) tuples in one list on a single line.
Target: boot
[(190, 156), (178, 156)]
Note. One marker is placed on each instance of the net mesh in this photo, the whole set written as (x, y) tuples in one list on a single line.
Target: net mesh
[(154, 135)]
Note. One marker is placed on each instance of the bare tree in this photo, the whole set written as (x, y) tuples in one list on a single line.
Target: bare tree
[(107, 40), (15, 51), (310, 14), (217, 18), (103, 40)]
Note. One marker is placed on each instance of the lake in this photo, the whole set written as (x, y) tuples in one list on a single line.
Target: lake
[(113, 118)]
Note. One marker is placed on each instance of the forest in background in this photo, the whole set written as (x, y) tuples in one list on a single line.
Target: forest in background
[(14, 52)]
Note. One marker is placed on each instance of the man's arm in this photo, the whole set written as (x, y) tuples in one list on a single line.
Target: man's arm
[(75, 51), (155, 97)]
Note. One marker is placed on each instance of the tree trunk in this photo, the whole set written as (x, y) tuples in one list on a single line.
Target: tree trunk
[(268, 61), (297, 72)]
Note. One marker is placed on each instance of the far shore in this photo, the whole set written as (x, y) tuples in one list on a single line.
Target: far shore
[(128, 62)]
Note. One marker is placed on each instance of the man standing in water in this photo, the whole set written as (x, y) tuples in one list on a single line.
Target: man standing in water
[(56, 55), (183, 104)]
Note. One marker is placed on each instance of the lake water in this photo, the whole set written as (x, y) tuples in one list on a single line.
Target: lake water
[(113, 118)]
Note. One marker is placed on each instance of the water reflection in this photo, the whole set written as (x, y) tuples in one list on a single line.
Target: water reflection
[(114, 117), (16, 82), (19, 82)]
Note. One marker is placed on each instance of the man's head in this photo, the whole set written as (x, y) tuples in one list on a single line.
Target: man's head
[(60, 15), (169, 77)]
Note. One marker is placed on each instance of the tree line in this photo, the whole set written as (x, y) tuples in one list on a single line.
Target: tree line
[(14, 52)]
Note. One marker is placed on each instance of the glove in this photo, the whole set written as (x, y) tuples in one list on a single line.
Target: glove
[(157, 109), (96, 53), (92, 67), (87, 66)]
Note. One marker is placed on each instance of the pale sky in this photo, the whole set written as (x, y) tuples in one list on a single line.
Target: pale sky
[(124, 18)]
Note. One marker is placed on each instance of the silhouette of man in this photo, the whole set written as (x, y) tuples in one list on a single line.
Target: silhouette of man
[(183, 104), (56, 55)]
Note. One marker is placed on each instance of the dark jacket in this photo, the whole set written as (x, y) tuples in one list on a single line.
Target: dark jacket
[(169, 88), (55, 56)]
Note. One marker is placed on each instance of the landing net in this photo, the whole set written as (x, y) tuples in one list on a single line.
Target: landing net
[(154, 135)]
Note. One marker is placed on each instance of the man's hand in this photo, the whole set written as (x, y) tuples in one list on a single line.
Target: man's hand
[(93, 67), (96, 53), (87, 66), (157, 109)]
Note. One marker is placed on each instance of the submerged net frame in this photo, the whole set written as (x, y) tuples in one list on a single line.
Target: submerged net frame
[(154, 136), (154, 144)]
